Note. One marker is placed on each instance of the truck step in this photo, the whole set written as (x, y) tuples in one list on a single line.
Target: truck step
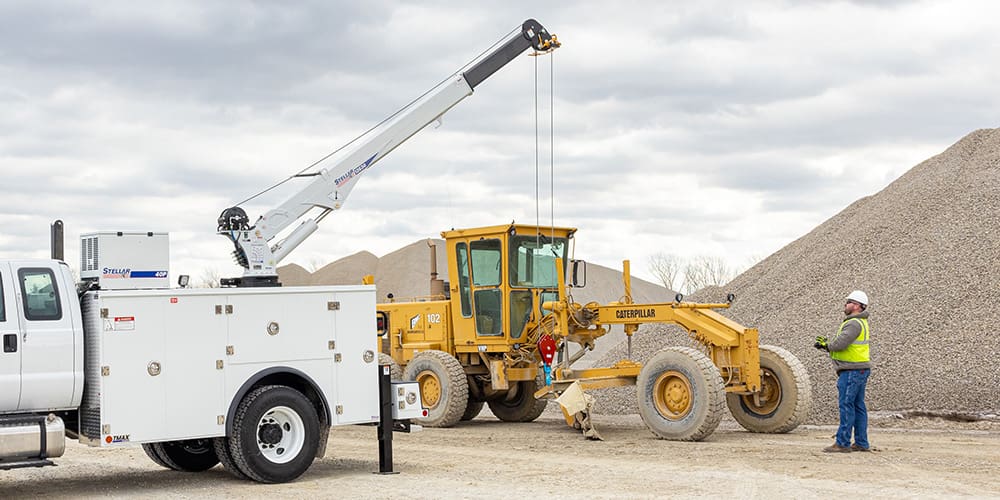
[(25, 463)]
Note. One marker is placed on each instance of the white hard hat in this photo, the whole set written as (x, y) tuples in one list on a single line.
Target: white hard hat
[(859, 297)]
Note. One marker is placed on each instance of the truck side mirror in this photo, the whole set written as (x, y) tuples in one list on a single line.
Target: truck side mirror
[(578, 276)]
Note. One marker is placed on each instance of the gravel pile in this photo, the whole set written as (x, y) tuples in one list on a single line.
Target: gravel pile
[(926, 249)]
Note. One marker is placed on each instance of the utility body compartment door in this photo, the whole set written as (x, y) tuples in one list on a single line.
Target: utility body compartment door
[(162, 351), (10, 332), (355, 359)]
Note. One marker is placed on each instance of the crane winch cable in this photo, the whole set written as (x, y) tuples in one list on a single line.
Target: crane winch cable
[(301, 173), (552, 202), (537, 219), (552, 146)]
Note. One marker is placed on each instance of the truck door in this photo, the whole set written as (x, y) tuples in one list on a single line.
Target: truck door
[(47, 342), (10, 332)]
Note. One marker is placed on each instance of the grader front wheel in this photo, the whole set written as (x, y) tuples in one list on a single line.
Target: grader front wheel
[(680, 394), (444, 387), (784, 398)]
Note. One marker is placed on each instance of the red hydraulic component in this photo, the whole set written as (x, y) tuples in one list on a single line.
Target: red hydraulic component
[(547, 348)]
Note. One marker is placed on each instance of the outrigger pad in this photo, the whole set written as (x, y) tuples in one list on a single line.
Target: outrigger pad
[(576, 406)]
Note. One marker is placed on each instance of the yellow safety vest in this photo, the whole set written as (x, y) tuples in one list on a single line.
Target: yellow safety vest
[(857, 352)]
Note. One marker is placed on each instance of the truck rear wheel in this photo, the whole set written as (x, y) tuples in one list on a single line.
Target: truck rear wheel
[(444, 387), (680, 394), (785, 394), (155, 455), (523, 407), (275, 434), (221, 445), (192, 455)]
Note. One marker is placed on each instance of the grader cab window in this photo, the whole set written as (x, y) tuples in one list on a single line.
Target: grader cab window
[(533, 261), (464, 288), (487, 299), (486, 262)]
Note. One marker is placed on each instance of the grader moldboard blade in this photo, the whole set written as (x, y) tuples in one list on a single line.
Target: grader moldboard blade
[(576, 407)]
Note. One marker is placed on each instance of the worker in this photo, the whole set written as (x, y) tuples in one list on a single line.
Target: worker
[(849, 353)]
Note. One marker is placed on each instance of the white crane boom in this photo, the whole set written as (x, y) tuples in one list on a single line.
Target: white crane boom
[(331, 187)]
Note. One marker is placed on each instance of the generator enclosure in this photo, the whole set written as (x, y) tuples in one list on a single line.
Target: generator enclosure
[(120, 260), (164, 365)]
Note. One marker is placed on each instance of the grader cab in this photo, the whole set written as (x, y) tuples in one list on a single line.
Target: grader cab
[(500, 333)]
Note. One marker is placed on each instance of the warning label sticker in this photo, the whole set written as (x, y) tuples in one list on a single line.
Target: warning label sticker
[(123, 323)]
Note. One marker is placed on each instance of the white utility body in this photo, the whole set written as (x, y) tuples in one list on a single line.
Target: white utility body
[(170, 364)]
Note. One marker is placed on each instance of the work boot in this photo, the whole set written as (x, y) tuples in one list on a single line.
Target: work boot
[(855, 447), (835, 448)]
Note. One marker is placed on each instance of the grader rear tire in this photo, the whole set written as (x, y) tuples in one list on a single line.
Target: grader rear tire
[(785, 395), (444, 387), (395, 372), (680, 394), (523, 407), (472, 409)]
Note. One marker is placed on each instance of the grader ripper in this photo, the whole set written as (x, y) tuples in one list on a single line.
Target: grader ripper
[(500, 335)]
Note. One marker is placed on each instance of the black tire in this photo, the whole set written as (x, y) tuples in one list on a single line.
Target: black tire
[(192, 455), (155, 455), (222, 450), (523, 407), (395, 372), (275, 434), (786, 394), (444, 387), (680, 394), (472, 409)]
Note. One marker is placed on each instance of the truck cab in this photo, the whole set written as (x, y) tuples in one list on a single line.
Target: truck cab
[(41, 366)]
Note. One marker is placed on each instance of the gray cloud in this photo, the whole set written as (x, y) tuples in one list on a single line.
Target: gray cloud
[(676, 120)]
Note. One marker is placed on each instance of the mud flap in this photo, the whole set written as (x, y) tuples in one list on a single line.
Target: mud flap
[(576, 407)]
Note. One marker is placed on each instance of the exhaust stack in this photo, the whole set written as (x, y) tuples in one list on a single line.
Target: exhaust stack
[(56, 240), (437, 285)]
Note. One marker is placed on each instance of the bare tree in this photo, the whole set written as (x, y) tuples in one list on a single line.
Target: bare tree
[(210, 278), (667, 268), (704, 270)]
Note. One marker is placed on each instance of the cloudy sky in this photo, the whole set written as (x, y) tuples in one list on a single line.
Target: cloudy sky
[(695, 128)]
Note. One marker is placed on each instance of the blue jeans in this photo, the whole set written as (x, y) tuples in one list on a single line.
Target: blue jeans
[(853, 412)]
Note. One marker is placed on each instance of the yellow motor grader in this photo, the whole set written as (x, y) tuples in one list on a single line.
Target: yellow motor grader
[(499, 334)]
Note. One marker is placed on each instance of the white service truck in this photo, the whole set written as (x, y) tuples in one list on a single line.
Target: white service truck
[(252, 375)]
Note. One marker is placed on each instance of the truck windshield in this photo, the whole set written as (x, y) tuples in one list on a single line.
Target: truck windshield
[(533, 261)]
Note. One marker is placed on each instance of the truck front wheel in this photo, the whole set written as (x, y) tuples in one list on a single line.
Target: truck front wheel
[(275, 434), (192, 455)]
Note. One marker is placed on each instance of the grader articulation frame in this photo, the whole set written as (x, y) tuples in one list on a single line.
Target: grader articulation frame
[(480, 344)]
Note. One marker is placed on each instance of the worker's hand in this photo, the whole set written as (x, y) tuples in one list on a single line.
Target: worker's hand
[(821, 343)]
